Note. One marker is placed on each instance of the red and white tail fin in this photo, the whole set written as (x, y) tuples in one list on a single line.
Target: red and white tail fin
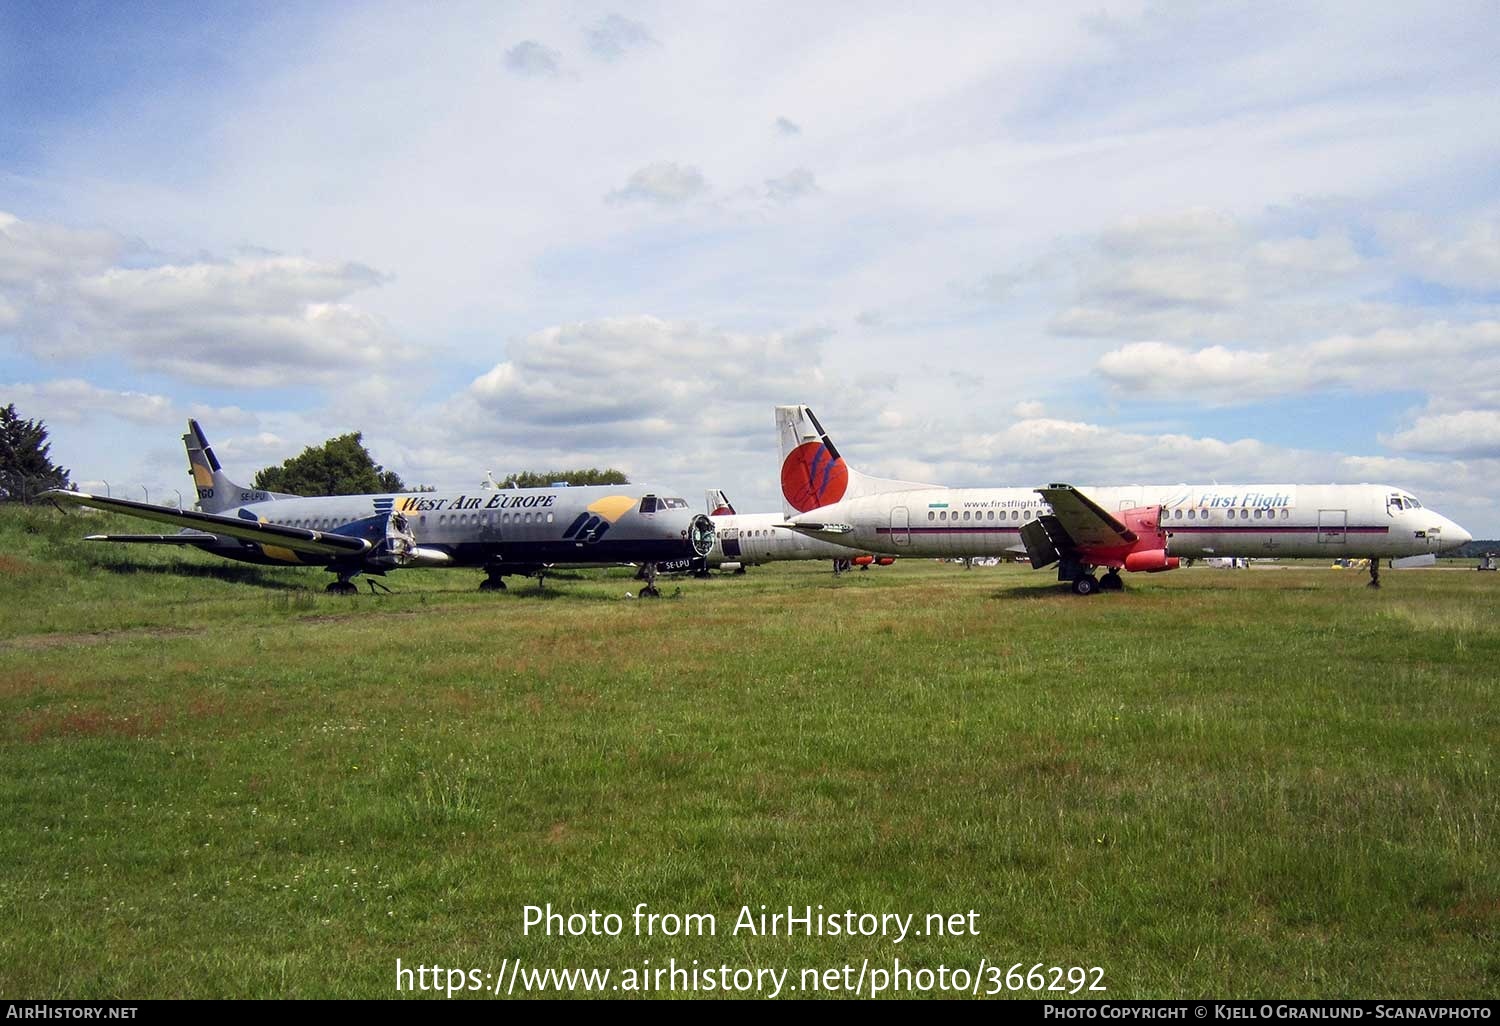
[(717, 503), (813, 474)]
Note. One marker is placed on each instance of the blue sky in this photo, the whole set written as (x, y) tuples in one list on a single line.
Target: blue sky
[(988, 244)]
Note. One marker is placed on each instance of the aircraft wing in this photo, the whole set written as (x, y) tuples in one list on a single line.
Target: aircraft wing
[(298, 539), (1087, 524)]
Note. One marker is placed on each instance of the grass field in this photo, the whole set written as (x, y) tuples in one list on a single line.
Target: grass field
[(218, 781)]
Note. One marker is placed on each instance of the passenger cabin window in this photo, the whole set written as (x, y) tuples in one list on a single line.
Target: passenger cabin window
[(931, 515)]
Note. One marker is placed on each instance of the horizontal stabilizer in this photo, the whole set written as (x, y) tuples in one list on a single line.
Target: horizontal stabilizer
[(297, 539), (819, 528)]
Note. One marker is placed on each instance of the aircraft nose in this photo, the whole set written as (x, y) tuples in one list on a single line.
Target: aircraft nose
[(1454, 536)]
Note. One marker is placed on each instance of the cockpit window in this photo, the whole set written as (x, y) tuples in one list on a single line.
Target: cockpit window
[(674, 504), (648, 504)]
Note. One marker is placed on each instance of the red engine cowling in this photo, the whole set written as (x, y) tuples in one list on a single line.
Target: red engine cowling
[(1151, 561), (862, 560), (885, 560), (1147, 554)]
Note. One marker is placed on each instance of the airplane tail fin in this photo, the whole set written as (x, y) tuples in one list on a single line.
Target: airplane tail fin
[(216, 493), (718, 503), (813, 474)]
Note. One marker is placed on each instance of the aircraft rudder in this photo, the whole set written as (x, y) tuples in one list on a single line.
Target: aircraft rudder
[(216, 492)]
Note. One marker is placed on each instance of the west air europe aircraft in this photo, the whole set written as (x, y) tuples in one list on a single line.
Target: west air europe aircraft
[(750, 539), (1146, 528), (510, 531)]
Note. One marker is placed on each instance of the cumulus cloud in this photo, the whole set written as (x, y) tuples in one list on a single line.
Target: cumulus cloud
[(663, 183), (1462, 359), (1466, 258), (614, 36), (529, 57), (634, 373), (72, 400), (250, 321), (1469, 434)]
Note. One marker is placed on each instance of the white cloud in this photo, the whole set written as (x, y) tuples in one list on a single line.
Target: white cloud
[(663, 183), (252, 321), (1466, 256), (1202, 274), (786, 126), (1470, 434), (72, 400), (1451, 359)]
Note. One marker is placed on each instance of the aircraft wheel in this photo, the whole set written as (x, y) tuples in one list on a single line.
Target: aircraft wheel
[(1085, 585), (342, 588), (492, 584), (649, 591), (1111, 582)]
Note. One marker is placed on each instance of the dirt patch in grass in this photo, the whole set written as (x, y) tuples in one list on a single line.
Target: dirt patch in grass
[(40, 642), (22, 683), (12, 565), (94, 723)]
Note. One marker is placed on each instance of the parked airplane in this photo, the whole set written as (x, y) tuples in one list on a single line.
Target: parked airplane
[(1135, 527), (504, 531), (750, 539)]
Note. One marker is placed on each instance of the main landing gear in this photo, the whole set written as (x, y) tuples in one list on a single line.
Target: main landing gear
[(345, 584), (1086, 583), (494, 580), (648, 574)]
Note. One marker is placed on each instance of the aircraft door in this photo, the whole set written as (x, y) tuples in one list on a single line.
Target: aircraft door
[(1331, 526), (900, 526)]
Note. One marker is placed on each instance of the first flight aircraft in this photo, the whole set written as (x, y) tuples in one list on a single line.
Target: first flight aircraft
[(1086, 528), (509, 531)]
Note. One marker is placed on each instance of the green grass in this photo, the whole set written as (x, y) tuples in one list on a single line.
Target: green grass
[(219, 781)]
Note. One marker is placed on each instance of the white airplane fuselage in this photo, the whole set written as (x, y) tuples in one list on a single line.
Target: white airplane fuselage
[(751, 539), (1200, 520)]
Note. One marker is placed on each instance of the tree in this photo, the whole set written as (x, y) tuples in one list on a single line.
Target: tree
[(543, 478), (25, 468), (340, 466)]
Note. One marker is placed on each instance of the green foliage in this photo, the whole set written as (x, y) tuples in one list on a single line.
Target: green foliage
[(25, 468), (543, 478), (340, 466)]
